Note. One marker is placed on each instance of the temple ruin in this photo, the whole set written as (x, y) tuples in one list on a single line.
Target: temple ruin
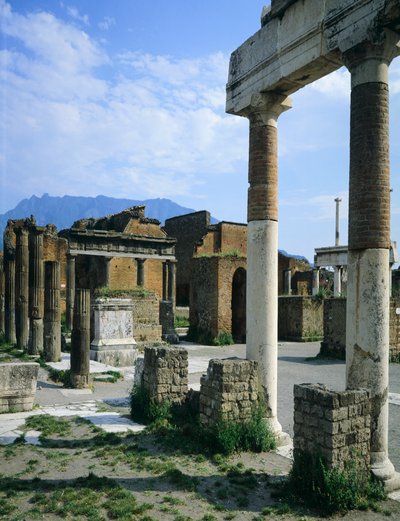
[(299, 42)]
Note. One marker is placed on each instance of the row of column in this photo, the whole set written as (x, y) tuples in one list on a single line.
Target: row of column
[(369, 241)]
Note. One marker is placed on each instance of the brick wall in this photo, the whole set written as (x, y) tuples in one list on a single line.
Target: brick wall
[(334, 425), (229, 391), (165, 374), (300, 318)]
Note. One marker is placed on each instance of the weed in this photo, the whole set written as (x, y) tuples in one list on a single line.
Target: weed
[(173, 500), (144, 410), (181, 321), (223, 339), (208, 517), (48, 425), (181, 480), (105, 292)]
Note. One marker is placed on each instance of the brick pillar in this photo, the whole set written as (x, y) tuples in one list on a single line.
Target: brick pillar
[(36, 291), (22, 287), (70, 289), (80, 340), (140, 272), (367, 337), (262, 247), (52, 312), (171, 281), (9, 310), (164, 280), (2, 296)]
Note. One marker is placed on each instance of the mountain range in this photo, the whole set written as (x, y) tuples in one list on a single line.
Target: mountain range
[(63, 211)]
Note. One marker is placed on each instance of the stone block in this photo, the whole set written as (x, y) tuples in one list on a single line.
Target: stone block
[(17, 386)]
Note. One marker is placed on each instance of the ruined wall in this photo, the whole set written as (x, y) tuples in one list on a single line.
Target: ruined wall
[(229, 391), (285, 262), (146, 318), (211, 293), (165, 374), (394, 327), (335, 425), (300, 318), (187, 229), (123, 273)]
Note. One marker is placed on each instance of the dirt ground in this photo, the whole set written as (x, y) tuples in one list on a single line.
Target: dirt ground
[(143, 477)]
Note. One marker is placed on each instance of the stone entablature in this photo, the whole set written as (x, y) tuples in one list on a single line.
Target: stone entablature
[(332, 425), (229, 391), (17, 386), (113, 341)]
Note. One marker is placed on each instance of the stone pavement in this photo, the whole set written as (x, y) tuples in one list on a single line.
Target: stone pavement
[(296, 365)]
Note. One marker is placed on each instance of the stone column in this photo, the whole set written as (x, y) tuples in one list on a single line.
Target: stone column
[(367, 338), (52, 312), (80, 340), (315, 281), (2, 297), (337, 281), (140, 272), (171, 282), (10, 299), (164, 280), (287, 282), (107, 261), (70, 289), (262, 247), (337, 227), (22, 287), (36, 291)]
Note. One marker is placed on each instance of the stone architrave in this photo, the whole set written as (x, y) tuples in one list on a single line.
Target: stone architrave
[(52, 312), (22, 287), (70, 290), (10, 300), (36, 290), (262, 247), (113, 341), (367, 340), (80, 340)]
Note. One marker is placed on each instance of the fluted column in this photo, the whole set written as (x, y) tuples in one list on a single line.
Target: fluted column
[(140, 272), (52, 312), (171, 281), (367, 339), (262, 247), (80, 340), (36, 291), (11, 337), (22, 287), (70, 290)]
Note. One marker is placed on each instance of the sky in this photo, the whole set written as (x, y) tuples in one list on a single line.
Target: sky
[(127, 99)]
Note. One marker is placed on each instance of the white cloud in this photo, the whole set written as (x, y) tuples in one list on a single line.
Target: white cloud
[(74, 13), (106, 23), (318, 207), (334, 85)]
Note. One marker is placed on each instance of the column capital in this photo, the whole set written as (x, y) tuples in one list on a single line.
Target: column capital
[(21, 232), (265, 108), (369, 61)]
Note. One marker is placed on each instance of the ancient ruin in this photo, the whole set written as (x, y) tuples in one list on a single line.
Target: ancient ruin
[(299, 42)]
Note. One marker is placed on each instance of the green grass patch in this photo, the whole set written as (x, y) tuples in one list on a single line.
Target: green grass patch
[(48, 425), (138, 292), (181, 321)]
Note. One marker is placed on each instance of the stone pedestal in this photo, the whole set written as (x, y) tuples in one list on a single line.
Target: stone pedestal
[(80, 340), (52, 312), (113, 341), (167, 321), (17, 386)]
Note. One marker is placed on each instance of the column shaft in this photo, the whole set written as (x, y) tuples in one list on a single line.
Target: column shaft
[(52, 312), (164, 281), (315, 281), (36, 291), (337, 281), (171, 282), (262, 247), (140, 272), (2, 299), (10, 300), (22, 287), (80, 340), (70, 290)]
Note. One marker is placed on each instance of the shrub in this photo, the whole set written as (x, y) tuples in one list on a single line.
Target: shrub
[(223, 339), (145, 410), (181, 321)]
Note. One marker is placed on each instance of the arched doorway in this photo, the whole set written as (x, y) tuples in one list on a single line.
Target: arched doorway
[(239, 306)]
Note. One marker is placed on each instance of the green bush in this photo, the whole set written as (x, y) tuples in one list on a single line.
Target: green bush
[(223, 339), (181, 321), (144, 410), (204, 337), (332, 490)]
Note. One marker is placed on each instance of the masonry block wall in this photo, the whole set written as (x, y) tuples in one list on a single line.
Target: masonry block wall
[(229, 391), (211, 293), (334, 341), (165, 374), (17, 386), (300, 318), (334, 425), (146, 318)]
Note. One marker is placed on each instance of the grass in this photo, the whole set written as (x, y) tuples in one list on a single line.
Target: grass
[(138, 292), (48, 425), (181, 321)]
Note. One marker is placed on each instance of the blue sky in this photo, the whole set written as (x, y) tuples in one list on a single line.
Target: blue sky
[(127, 99)]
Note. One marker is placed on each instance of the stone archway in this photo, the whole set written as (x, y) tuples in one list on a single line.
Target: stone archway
[(239, 306)]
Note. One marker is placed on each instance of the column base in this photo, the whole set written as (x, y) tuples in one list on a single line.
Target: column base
[(383, 470), (282, 438)]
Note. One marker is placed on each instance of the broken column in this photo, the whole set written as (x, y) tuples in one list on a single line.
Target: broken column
[(367, 339), (287, 282), (70, 290), (36, 290), (80, 340), (22, 287), (9, 295), (262, 247), (52, 312)]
